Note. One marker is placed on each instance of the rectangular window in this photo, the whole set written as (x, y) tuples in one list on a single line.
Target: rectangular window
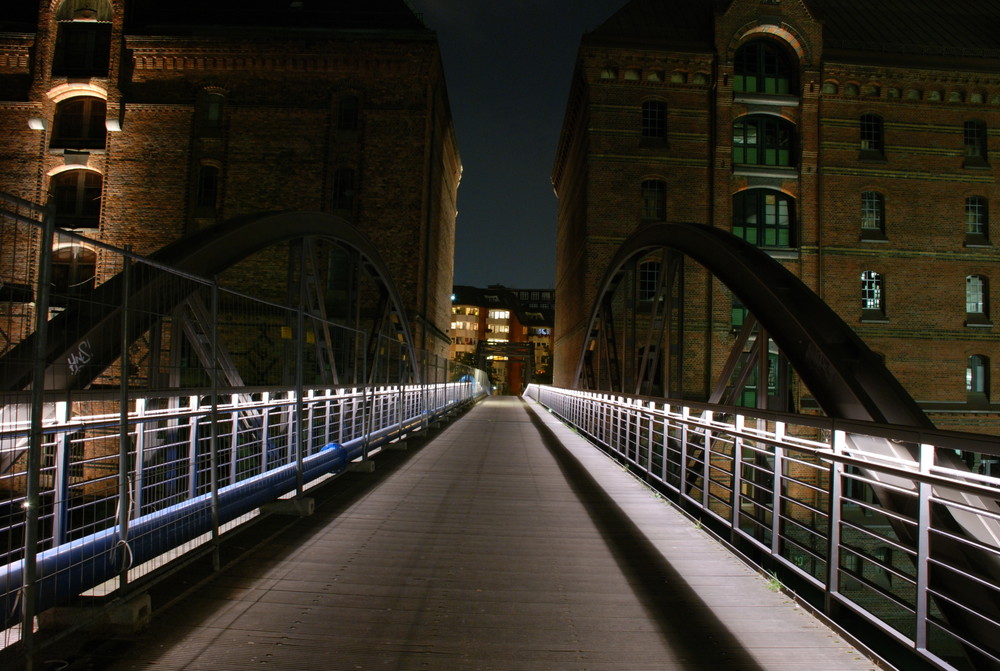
[(654, 200), (654, 120), (872, 295), (975, 216), (975, 139), (871, 133)]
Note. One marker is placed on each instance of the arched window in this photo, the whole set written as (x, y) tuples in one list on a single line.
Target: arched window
[(80, 124), (77, 198), (977, 300), (83, 39), (871, 135), (347, 113), (73, 272), (654, 200), (648, 279), (764, 218), (872, 295), (654, 120), (343, 189), (872, 215), (762, 66), (975, 143), (977, 377), (763, 140)]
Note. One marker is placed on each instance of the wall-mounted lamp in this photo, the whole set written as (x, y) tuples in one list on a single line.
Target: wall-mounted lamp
[(37, 123), (113, 125)]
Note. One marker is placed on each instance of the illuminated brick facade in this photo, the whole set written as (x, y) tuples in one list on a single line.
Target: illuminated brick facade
[(146, 121), (855, 142)]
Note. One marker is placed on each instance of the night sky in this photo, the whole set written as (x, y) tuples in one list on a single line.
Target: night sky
[(508, 67)]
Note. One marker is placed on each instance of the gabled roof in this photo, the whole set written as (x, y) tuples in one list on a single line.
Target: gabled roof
[(180, 16), (931, 27), (925, 27)]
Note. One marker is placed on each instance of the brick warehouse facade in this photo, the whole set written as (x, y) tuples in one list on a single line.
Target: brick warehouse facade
[(855, 142), (145, 121)]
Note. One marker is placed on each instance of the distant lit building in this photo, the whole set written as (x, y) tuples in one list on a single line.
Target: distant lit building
[(497, 327), (857, 148)]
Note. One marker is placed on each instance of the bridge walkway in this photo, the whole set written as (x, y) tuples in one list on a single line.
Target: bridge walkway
[(503, 542)]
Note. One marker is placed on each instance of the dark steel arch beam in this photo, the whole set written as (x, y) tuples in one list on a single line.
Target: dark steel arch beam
[(848, 380), (205, 253)]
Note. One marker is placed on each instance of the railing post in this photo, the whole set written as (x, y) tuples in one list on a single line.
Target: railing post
[(779, 469), (214, 429), (706, 458), (194, 429), (923, 548), (737, 474), (140, 456), (123, 433), (682, 484), (839, 443), (265, 431), (297, 421), (60, 480), (234, 437), (32, 499)]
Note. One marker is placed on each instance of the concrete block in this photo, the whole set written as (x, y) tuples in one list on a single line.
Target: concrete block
[(115, 617), (365, 466), (302, 506)]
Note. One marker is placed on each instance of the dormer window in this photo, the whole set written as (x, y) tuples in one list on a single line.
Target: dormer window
[(83, 39)]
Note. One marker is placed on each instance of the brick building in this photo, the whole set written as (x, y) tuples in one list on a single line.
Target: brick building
[(855, 142), (501, 325), (145, 121)]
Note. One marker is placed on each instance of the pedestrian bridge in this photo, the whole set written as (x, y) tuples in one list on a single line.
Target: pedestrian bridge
[(232, 467), (502, 541)]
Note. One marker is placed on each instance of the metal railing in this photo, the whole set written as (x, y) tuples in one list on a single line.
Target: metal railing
[(145, 410), (887, 526)]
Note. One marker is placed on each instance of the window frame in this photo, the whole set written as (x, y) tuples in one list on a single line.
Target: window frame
[(653, 193), (74, 273), (82, 49), (977, 220), (974, 139), (653, 121), (92, 119), (873, 215), (76, 196), (871, 136), (873, 302), (977, 300), (763, 64), (647, 280), (207, 190), (769, 232), (977, 378), (772, 144)]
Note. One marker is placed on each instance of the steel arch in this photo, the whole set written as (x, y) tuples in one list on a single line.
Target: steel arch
[(847, 379), (205, 253)]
